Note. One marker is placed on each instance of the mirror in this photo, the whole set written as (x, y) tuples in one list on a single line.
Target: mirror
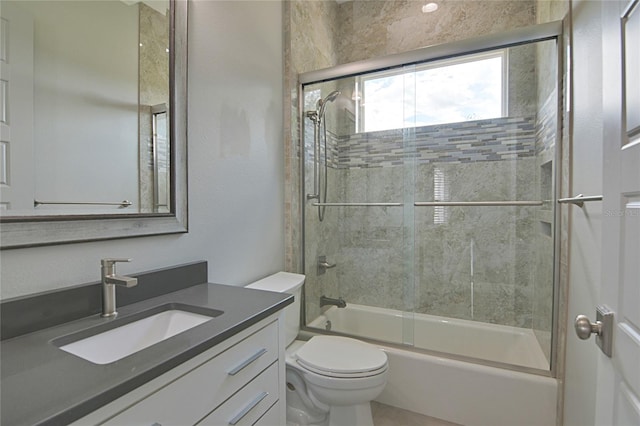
[(93, 120)]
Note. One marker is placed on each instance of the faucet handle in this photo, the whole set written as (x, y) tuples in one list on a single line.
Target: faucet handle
[(110, 261)]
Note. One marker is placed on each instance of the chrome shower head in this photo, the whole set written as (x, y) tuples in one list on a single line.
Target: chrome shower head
[(331, 96), (323, 102)]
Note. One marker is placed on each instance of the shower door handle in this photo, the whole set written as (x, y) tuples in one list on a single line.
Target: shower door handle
[(602, 328)]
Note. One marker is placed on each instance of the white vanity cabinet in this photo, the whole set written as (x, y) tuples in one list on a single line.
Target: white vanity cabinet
[(237, 382)]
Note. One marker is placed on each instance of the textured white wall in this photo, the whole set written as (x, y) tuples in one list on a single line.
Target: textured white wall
[(236, 170), (585, 233)]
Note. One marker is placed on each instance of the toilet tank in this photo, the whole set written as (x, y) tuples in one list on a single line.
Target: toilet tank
[(285, 282)]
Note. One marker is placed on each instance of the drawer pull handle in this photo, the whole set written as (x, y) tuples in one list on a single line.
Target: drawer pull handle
[(246, 362), (248, 408)]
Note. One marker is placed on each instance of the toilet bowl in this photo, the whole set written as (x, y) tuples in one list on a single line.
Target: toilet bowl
[(331, 380)]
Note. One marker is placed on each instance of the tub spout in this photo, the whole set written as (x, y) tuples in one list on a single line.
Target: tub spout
[(339, 302)]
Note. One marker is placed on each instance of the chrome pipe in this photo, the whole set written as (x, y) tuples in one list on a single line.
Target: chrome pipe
[(315, 118), (357, 204), (580, 199), (477, 203), (122, 204)]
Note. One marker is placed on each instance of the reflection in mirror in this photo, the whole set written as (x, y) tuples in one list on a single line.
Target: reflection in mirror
[(92, 120), (87, 107)]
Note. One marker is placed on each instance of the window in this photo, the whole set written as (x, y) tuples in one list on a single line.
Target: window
[(447, 91), (440, 193)]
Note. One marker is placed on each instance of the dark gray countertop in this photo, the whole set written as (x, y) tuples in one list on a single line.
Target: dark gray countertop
[(42, 384)]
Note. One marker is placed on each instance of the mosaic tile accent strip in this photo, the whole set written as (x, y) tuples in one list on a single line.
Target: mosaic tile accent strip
[(472, 141)]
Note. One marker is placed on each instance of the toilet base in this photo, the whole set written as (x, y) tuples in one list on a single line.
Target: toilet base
[(350, 415)]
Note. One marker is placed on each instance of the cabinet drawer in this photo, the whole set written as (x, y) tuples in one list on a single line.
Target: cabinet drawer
[(190, 397), (249, 404), (274, 416)]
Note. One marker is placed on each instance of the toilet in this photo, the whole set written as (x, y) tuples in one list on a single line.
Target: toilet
[(331, 380)]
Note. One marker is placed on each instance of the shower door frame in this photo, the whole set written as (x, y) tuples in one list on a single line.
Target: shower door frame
[(527, 35)]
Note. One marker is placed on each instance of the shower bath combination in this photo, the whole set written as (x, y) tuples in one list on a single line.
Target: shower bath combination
[(444, 173), (437, 211), (317, 117)]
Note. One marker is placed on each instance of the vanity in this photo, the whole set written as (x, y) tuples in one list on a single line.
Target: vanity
[(228, 369)]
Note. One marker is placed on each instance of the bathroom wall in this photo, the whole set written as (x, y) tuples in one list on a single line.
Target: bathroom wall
[(236, 167), (369, 29), (584, 238)]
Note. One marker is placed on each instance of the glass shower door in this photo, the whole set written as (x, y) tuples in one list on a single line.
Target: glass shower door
[(355, 230), (429, 214), (484, 216)]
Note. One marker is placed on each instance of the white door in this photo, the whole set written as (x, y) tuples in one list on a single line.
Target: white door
[(618, 388), (16, 109)]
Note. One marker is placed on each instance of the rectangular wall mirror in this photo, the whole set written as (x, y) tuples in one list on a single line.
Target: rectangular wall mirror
[(92, 120)]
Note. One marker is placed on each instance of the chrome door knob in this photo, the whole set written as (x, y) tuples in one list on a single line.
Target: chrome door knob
[(602, 328), (585, 328)]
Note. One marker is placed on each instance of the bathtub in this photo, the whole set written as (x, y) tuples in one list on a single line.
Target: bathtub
[(451, 389)]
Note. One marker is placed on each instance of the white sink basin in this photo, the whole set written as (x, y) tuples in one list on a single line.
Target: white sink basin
[(117, 343)]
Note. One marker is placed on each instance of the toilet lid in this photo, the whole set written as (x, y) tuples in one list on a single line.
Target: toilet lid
[(341, 356)]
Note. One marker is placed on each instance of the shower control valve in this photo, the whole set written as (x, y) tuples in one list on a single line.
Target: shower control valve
[(323, 265)]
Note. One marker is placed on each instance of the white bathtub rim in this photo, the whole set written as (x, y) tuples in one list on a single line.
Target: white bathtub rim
[(307, 333), (538, 366)]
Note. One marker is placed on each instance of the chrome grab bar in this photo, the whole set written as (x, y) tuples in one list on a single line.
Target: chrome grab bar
[(476, 203), (580, 199), (357, 204), (122, 204)]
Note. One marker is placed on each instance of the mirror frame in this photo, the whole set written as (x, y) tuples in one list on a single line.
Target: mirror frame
[(32, 231)]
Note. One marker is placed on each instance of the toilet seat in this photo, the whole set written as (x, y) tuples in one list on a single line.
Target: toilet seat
[(341, 357)]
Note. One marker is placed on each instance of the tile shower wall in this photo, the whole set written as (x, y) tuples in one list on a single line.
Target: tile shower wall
[(321, 34), (482, 140), (309, 44), (473, 161)]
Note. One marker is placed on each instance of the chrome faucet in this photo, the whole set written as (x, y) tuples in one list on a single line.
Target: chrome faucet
[(109, 282), (339, 302)]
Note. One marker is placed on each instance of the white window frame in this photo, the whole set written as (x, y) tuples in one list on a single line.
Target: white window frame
[(360, 80)]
